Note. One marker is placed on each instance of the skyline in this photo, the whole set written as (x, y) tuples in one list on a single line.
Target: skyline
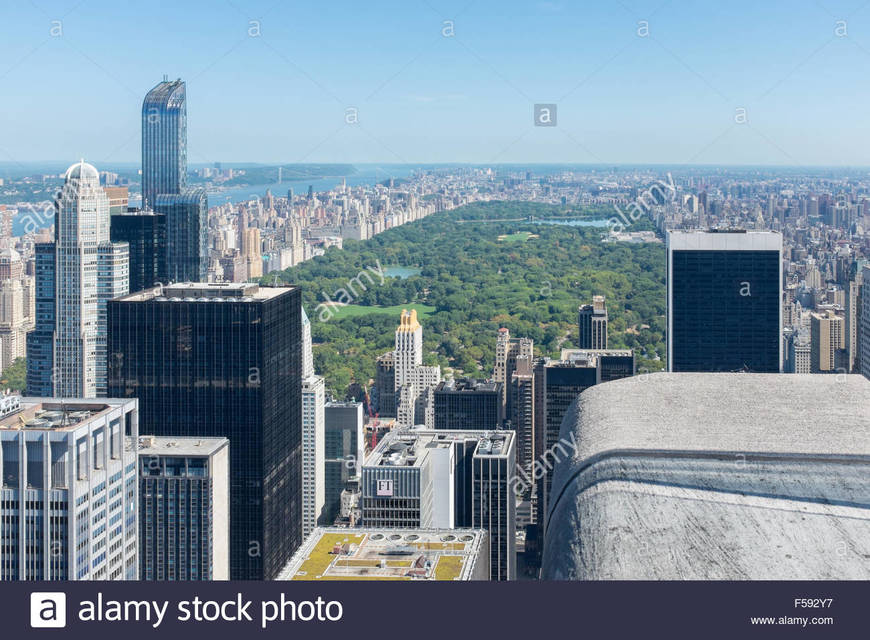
[(670, 97)]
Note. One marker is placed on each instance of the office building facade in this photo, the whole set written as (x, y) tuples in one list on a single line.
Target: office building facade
[(724, 311), (186, 234), (68, 499), (145, 234), (446, 479), (224, 360), (507, 350), (468, 404), (344, 442), (184, 492)]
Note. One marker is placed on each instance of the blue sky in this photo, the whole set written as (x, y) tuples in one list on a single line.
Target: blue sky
[(281, 96)]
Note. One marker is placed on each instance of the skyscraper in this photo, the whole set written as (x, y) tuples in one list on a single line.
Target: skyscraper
[(724, 311), (522, 416), (507, 350), (164, 141), (446, 479), (468, 404), (224, 360), (164, 182), (145, 234), (186, 234), (76, 277), (413, 381), (16, 307), (344, 442), (313, 401), (184, 494), (385, 381), (68, 489), (592, 322), (827, 337)]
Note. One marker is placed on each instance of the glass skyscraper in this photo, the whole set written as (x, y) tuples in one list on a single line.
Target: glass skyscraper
[(186, 234), (164, 141), (724, 309), (164, 182), (224, 360)]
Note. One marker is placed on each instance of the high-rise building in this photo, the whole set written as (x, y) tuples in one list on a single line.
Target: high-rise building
[(592, 322), (827, 342), (16, 307), (184, 500), (522, 416), (413, 381), (40, 341), (119, 199), (507, 350), (145, 234), (853, 317), (468, 404), (724, 311), (344, 442), (164, 182), (68, 489), (313, 460), (76, 277), (186, 234), (563, 381), (446, 479), (494, 471), (224, 360), (164, 141), (313, 402), (385, 382)]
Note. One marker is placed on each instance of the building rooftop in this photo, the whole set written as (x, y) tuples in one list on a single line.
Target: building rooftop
[(334, 553), (465, 385), (410, 447), (714, 476), (180, 446), (50, 414), (591, 355), (723, 240), (207, 292)]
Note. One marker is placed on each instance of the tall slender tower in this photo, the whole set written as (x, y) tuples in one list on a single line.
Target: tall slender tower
[(164, 182), (313, 425), (87, 270), (164, 141)]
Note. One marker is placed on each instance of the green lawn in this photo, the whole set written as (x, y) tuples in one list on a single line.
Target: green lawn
[(519, 236), (355, 310)]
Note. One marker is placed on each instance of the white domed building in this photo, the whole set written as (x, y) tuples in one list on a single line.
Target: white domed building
[(67, 352)]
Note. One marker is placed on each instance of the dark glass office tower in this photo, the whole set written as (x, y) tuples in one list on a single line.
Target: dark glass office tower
[(224, 360), (468, 404), (343, 452), (724, 310), (145, 232), (186, 234), (40, 341), (164, 141)]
